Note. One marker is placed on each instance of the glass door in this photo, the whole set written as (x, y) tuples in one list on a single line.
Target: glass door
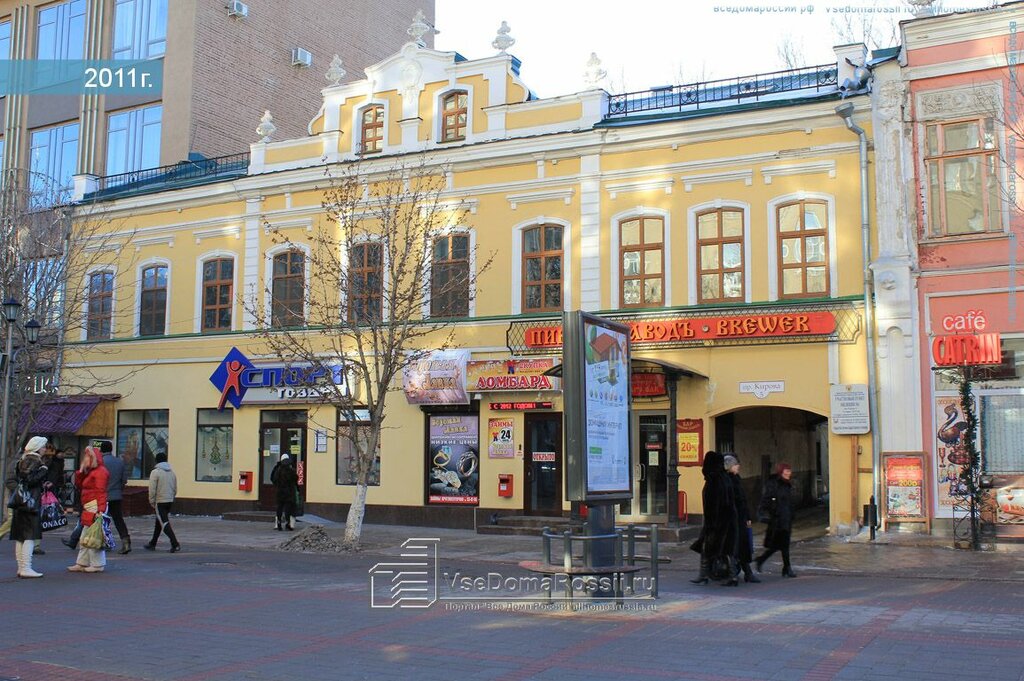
[(650, 468), (542, 465), (281, 432)]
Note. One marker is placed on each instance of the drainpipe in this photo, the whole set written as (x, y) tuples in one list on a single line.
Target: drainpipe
[(845, 111)]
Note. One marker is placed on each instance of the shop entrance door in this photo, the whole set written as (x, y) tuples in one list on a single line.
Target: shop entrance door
[(281, 432), (650, 468), (542, 465)]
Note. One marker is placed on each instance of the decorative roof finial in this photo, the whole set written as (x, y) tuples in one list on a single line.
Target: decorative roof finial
[(336, 71), (266, 127), (419, 28), (922, 8), (594, 74), (503, 41)]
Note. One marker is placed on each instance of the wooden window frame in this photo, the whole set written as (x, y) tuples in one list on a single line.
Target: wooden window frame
[(803, 234), (372, 132), (937, 205), (542, 255), (359, 272), (441, 302), (96, 322), (217, 283), (450, 128), (282, 310), (722, 270), (148, 312), (642, 249)]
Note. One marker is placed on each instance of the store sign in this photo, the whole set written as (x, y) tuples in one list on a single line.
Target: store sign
[(905, 486), (706, 328), (849, 409), (500, 438), (438, 378), (510, 374), (967, 350), (240, 380), (520, 406), (649, 385), (454, 462), (690, 441)]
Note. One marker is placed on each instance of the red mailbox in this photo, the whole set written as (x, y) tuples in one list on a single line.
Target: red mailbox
[(245, 481), (505, 484)]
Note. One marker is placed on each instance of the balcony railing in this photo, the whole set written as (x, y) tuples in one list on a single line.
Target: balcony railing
[(181, 173), (695, 96)]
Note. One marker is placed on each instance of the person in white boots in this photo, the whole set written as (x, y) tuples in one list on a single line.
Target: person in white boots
[(26, 488)]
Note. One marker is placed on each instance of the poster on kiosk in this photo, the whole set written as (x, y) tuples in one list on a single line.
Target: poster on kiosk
[(596, 385)]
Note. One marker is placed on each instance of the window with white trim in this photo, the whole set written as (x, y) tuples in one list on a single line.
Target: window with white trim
[(365, 279), (5, 40), (372, 129), (140, 29), (642, 261), (61, 31), (963, 181), (218, 283), (99, 305), (53, 159), (720, 256), (454, 116), (288, 289), (803, 249), (449, 276), (153, 301), (133, 140)]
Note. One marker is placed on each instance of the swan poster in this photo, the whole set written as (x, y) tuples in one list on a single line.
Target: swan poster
[(949, 440)]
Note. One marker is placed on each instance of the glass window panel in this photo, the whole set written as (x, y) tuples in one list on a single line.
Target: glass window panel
[(732, 223), (209, 270), (964, 200), (224, 318), (816, 280), (792, 282), (631, 263), (995, 212), (815, 248), (533, 269), (225, 295), (815, 216), (789, 218), (552, 295), (652, 291), (791, 251), (707, 226), (709, 257), (732, 255), (631, 292), (960, 136), (531, 240), (553, 238), (934, 206), (440, 250), (652, 261), (989, 134), (709, 286), (460, 247), (732, 285), (209, 319), (553, 269), (631, 233), (653, 231), (933, 140)]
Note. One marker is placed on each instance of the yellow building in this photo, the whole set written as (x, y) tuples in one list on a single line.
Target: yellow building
[(720, 220)]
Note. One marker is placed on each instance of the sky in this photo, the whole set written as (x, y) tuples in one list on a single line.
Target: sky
[(647, 43)]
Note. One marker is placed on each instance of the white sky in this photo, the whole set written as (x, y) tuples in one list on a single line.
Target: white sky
[(646, 43)]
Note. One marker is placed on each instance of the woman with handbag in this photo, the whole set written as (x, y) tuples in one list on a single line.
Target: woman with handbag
[(717, 541), (26, 486), (777, 506), (91, 480), (286, 484)]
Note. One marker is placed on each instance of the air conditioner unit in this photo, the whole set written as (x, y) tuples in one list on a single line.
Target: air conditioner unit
[(301, 57), (238, 9)]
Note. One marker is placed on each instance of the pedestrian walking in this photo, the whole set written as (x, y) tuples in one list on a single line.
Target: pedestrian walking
[(286, 484), (744, 534), (91, 480), (76, 502), (717, 540), (777, 509), (54, 481), (25, 482), (115, 493), (163, 487)]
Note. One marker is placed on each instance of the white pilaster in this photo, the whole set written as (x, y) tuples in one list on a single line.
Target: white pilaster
[(590, 232), (251, 277)]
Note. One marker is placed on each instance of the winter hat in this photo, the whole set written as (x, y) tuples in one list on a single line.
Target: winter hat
[(285, 457), (731, 461), (107, 447), (36, 443)]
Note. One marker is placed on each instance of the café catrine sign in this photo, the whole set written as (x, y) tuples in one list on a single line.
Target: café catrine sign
[(970, 347)]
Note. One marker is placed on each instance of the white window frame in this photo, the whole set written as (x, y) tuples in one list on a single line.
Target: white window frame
[(693, 260), (200, 264), (616, 257), (136, 320), (439, 114), (63, 13), (56, 140), (428, 262), (385, 279), (95, 269), (135, 133), (142, 42), (517, 260), (773, 241), (268, 280)]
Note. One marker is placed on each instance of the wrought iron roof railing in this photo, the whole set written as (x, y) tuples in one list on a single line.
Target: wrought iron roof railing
[(823, 78), (181, 173)]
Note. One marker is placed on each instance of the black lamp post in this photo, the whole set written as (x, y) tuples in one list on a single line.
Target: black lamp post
[(11, 310)]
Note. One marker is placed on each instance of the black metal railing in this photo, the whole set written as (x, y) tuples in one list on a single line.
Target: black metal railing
[(741, 89), (181, 172)]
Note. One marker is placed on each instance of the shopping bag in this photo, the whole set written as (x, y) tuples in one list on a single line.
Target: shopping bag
[(92, 536), (5, 527), (108, 533), (22, 500), (51, 515)]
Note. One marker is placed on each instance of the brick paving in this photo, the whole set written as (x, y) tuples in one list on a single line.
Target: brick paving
[(230, 607)]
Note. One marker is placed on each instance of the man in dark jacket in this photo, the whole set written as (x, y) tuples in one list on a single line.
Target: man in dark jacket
[(286, 482), (744, 543), (777, 505), (115, 492), (717, 539)]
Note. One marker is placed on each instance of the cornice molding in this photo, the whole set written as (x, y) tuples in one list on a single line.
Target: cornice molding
[(809, 168), (745, 175), (213, 232), (639, 186), (533, 197)]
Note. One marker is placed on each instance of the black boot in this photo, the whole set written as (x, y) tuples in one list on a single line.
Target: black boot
[(787, 571), (748, 574), (702, 576), (126, 546), (759, 562)]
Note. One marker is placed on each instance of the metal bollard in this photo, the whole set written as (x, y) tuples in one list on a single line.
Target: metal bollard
[(546, 534), (567, 561), (654, 561)]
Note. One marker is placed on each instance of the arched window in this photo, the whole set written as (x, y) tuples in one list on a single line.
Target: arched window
[(542, 268), (720, 256), (372, 129), (218, 280), (365, 282), (803, 249), (153, 301), (100, 305), (449, 276), (454, 113), (288, 289), (642, 261)]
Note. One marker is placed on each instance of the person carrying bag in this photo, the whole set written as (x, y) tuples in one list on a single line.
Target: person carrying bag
[(91, 480), (26, 485)]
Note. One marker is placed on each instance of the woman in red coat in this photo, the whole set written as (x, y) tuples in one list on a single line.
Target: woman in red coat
[(91, 480)]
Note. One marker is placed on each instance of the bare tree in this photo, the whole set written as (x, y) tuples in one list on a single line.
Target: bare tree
[(389, 268), (790, 51)]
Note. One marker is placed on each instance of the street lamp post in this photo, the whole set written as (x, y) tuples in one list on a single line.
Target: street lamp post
[(11, 309)]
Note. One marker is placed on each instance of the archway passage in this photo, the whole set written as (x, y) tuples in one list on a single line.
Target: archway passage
[(762, 437)]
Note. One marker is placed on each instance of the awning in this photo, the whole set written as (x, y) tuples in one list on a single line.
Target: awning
[(72, 415), (646, 364)]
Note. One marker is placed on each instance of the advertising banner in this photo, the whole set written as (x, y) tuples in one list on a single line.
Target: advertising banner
[(438, 378), (485, 375), (904, 487), (606, 394), (950, 455), (690, 439), (453, 462), (500, 439)]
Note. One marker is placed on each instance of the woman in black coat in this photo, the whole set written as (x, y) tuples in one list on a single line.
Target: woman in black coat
[(743, 537), (777, 504), (26, 526), (286, 483), (717, 541)]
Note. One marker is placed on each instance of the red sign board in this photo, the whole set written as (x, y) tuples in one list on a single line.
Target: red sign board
[(967, 350), (706, 328), (519, 406), (649, 385)]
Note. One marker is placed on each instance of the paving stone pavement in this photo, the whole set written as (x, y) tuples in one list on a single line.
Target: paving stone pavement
[(231, 607)]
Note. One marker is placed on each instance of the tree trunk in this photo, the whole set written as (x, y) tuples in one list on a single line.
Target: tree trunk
[(354, 522)]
